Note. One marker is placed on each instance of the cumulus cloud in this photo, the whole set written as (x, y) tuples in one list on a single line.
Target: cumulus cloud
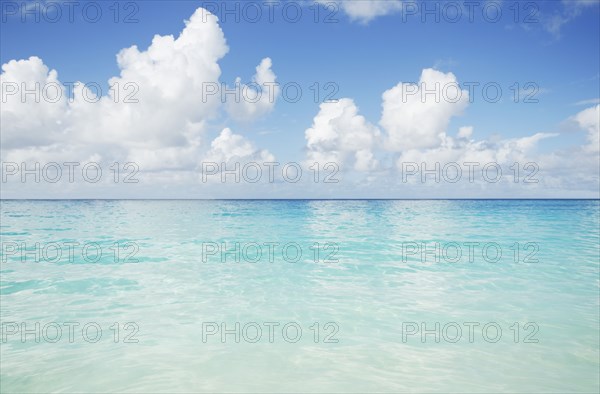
[(27, 119), (257, 98), (168, 78), (228, 147), (165, 82), (339, 134), (413, 117), (416, 132), (165, 130), (589, 120), (465, 132), (451, 150), (155, 114)]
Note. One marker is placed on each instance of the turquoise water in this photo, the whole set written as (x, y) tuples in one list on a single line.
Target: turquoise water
[(366, 288)]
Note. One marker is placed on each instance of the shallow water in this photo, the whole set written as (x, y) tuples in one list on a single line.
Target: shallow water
[(369, 288)]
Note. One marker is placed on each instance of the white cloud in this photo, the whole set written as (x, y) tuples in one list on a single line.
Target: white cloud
[(166, 80), (339, 134), (364, 11), (504, 152), (589, 120), (228, 147), (417, 133), (255, 99), (465, 132), (414, 118), (29, 120), (163, 130), (577, 4), (168, 158), (170, 75), (588, 102), (571, 9)]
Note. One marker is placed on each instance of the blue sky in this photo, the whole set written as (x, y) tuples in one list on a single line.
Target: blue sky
[(363, 57)]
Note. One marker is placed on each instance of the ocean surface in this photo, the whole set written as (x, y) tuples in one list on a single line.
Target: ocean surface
[(300, 296)]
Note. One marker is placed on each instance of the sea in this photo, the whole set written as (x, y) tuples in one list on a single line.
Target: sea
[(260, 296)]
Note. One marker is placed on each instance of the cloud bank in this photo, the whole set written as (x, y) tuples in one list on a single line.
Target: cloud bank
[(159, 117)]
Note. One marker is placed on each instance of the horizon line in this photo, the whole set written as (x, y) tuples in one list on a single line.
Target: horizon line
[(301, 199)]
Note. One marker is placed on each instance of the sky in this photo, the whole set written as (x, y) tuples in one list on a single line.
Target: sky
[(396, 96)]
